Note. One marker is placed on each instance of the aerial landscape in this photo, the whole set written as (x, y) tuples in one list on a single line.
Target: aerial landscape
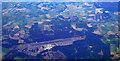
[(60, 30)]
